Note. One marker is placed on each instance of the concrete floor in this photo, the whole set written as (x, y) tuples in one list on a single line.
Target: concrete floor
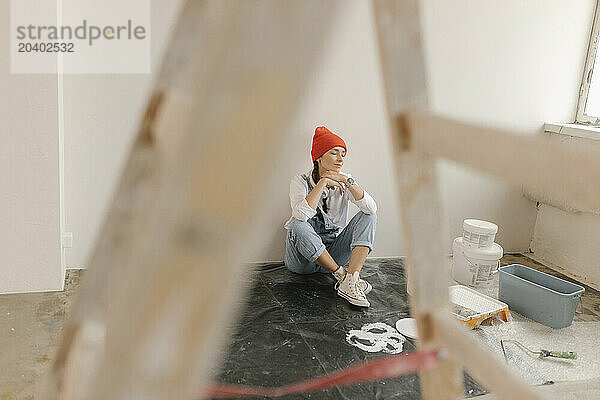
[(580, 390), (30, 325)]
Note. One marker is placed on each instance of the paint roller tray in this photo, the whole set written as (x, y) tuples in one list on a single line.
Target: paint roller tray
[(471, 307), (542, 297)]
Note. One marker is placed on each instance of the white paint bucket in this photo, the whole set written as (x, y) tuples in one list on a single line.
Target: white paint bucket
[(478, 233), (473, 266)]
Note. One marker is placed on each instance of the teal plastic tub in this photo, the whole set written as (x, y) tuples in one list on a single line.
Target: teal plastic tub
[(543, 298)]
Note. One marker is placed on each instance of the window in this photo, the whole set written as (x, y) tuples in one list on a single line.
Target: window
[(588, 106)]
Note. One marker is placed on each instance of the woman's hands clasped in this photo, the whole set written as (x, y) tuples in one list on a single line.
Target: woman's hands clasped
[(335, 180)]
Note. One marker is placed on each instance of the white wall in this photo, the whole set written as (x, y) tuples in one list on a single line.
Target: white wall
[(518, 65), (29, 176), (500, 63), (509, 64), (567, 240), (563, 239), (346, 95), (101, 115), (488, 62)]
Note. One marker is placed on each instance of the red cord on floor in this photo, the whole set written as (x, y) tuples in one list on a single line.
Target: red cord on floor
[(372, 370)]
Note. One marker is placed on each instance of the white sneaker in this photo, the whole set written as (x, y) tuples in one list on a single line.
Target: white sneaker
[(362, 285), (339, 274), (349, 290)]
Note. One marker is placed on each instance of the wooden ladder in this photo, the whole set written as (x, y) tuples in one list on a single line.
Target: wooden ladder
[(168, 267)]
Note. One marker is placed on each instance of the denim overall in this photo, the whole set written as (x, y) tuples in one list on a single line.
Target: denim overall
[(321, 223), (306, 240)]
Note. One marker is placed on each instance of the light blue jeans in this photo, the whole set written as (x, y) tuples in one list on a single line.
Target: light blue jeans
[(306, 241)]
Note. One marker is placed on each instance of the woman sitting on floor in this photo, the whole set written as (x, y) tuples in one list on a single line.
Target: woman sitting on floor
[(318, 238)]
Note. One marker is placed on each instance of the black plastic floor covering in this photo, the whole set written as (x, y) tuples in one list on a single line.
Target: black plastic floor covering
[(293, 327)]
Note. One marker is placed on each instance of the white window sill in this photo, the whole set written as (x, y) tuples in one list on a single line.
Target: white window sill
[(577, 130)]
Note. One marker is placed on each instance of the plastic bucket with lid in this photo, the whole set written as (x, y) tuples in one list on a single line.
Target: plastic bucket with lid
[(473, 266), (478, 233)]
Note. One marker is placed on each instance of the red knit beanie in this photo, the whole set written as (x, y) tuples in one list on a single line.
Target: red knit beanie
[(324, 140)]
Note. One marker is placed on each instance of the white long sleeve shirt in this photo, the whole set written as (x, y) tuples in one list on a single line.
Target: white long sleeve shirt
[(337, 204)]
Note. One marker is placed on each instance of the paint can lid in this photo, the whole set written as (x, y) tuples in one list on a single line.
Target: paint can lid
[(408, 327), (480, 227)]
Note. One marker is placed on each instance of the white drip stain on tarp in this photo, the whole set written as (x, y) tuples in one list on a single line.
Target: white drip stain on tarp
[(376, 337)]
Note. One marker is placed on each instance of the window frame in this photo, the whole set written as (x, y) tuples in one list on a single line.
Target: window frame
[(582, 117)]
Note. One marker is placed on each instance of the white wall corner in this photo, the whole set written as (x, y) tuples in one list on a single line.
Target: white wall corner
[(567, 242), (61, 149)]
